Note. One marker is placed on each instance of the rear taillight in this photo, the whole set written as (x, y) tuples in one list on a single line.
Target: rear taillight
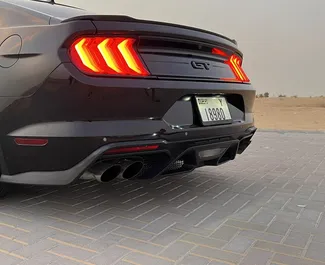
[(235, 64), (107, 56), (219, 52)]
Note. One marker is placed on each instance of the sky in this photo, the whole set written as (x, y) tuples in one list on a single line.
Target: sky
[(283, 41)]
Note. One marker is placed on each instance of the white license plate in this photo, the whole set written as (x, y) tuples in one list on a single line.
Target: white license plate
[(213, 110)]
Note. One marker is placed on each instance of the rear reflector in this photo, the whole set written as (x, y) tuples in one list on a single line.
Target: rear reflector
[(132, 149), (31, 141), (107, 56)]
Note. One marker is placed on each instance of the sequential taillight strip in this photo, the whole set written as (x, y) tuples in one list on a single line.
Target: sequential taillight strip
[(131, 57)]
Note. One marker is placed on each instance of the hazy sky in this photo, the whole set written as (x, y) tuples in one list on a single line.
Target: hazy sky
[(283, 41)]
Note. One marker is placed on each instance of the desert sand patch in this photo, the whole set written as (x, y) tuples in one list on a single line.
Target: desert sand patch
[(290, 113)]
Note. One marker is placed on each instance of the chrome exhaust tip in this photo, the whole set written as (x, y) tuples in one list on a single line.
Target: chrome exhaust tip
[(111, 173), (133, 170), (104, 172)]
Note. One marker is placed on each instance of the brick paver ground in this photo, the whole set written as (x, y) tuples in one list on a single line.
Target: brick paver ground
[(266, 207)]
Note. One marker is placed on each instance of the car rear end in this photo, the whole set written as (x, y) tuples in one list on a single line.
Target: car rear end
[(171, 97)]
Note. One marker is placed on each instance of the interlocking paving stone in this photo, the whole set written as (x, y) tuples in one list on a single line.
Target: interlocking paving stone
[(9, 245), (279, 248), (316, 251), (177, 250), (109, 256), (140, 258), (194, 260), (239, 244), (266, 207), (133, 233), (36, 249), (217, 254), (278, 228), (100, 230), (127, 222), (263, 218), (217, 263), (167, 237), (257, 257), (204, 241), (140, 246), (291, 260), (225, 233), (297, 239), (160, 225), (150, 216), (246, 225), (262, 236), (246, 213), (100, 245), (191, 229), (97, 219), (76, 253), (122, 262)]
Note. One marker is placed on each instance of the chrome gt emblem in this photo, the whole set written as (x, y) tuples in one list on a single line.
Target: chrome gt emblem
[(200, 65)]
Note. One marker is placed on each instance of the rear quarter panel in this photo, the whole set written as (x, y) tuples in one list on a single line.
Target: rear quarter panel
[(38, 54)]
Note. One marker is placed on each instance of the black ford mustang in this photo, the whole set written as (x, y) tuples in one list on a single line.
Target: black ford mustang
[(112, 96)]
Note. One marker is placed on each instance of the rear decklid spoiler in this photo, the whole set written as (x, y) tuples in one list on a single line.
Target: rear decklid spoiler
[(60, 13), (126, 23)]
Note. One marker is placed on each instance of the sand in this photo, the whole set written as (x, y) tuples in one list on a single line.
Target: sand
[(307, 114)]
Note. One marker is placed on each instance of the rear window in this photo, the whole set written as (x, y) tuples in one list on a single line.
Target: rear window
[(57, 10)]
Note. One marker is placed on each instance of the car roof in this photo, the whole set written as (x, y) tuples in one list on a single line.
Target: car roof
[(58, 11)]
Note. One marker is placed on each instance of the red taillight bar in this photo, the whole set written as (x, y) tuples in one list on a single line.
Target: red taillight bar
[(107, 56), (219, 52), (132, 149), (235, 64)]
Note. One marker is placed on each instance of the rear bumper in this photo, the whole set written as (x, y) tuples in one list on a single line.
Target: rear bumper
[(157, 162), (82, 117)]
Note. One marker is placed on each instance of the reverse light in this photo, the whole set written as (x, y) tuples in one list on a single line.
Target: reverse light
[(107, 56)]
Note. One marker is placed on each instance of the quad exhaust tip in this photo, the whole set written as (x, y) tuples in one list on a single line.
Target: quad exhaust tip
[(132, 170), (106, 172), (111, 173)]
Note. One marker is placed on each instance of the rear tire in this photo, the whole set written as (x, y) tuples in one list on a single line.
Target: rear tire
[(3, 189)]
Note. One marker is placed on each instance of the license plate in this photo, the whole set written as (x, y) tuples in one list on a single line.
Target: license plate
[(213, 110)]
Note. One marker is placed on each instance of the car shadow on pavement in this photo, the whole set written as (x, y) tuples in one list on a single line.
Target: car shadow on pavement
[(201, 199)]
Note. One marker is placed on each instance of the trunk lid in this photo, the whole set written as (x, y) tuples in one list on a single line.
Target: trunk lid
[(170, 50)]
